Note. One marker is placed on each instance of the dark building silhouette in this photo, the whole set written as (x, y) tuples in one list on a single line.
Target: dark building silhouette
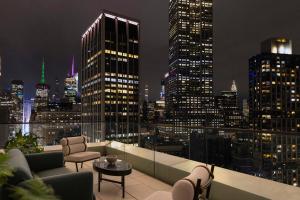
[(228, 106), (211, 147)]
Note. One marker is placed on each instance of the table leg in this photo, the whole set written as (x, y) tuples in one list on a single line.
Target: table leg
[(99, 180), (123, 185)]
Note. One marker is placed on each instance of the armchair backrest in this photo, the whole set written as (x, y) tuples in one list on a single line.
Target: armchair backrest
[(72, 145), (197, 183), (20, 167)]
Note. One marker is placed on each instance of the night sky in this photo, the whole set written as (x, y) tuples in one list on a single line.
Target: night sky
[(33, 29)]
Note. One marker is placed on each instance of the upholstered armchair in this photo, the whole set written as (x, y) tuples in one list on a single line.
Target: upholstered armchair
[(193, 187), (75, 150)]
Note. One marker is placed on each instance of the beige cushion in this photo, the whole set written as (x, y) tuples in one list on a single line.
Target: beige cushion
[(200, 172), (82, 156), (76, 140), (73, 145), (183, 190), (160, 195)]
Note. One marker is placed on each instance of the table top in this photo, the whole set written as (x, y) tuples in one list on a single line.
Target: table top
[(121, 168)]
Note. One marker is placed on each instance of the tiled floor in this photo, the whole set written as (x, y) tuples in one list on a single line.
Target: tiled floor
[(137, 185)]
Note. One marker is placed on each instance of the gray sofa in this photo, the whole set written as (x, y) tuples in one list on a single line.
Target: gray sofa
[(50, 168)]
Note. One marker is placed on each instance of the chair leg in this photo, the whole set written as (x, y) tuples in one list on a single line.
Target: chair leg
[(198, 190), (81, 164), (76, 167), (208, 189)]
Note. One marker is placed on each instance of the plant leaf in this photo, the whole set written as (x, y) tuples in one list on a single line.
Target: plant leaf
[(35, 189), (5, 170)]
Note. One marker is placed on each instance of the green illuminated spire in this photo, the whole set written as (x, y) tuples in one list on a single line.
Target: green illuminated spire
[(43, 73)]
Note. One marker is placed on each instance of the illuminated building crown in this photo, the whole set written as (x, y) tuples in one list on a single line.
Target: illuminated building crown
[(233, 87)]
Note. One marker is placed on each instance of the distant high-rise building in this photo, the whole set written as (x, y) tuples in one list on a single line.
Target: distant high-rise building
[(274, 97), (7, 105), (189, 82), (56, 93), (274, 102), (17, 92), (71, 85), (228, 106), (110, 78), (146, 93), (42, 92)]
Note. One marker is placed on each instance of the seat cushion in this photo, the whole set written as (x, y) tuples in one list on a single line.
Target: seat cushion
[(160, 195), (19, 164), (54, 172), (183, 190), (82, 156)]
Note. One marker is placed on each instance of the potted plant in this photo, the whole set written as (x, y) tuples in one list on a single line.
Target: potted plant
[(27, 143)]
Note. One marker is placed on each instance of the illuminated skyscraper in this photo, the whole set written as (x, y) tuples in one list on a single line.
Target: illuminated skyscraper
[(110, 78), (274, 95), (17, 88), (189, 82), (42, 92), (274, 102), (71, 85)]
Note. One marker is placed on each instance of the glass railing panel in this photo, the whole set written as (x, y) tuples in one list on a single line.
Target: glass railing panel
[(267, 154)]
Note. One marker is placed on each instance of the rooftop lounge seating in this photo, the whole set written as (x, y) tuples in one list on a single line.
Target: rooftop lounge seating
[(50, 168), (194, 186), (75, 150)]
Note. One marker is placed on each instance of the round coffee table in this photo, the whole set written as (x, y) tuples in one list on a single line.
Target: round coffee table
[(121, 168)]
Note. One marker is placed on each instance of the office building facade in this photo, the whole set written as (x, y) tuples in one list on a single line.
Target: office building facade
[(274, 102), (189, 81), (110, 78)]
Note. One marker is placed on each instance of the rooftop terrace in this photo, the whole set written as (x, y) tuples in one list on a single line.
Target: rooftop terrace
[(138, 185), (151, 175)]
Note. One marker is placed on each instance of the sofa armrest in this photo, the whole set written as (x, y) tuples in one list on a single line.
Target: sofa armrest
[(43, 161), (75, 186)]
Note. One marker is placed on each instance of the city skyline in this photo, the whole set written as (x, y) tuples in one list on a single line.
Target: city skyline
[(214, 84), (20, 45)]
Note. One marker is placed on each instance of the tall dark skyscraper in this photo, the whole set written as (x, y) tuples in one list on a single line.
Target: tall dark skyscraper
[(274, 105), (189, 82), (110, 78)]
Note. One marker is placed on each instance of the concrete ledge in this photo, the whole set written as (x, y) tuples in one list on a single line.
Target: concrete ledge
[(227, 184)]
